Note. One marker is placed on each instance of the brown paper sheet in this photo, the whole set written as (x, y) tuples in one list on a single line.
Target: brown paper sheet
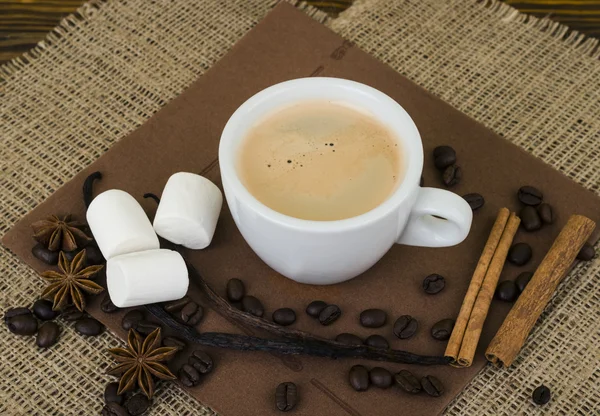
[(184, 136)]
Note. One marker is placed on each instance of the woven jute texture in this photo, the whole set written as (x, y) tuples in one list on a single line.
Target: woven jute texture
[(108, 68)]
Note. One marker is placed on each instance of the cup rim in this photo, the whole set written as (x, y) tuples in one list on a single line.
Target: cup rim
[(227, 156)]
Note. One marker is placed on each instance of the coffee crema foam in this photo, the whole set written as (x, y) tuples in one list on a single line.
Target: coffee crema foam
[(321, 161)]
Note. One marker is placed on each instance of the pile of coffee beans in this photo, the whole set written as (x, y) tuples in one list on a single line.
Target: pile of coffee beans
[(236, 294), (360, 379), (199, 364), (326, 314), (409, 383), (535, 212), (286, 396), (136, 319), (444, 159), (127, 404), (185, 310)]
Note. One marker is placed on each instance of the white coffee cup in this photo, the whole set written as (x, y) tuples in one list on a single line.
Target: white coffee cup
[(327, 252)]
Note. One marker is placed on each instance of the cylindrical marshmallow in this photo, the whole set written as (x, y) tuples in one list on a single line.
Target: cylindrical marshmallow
[(188, 211), (146, 277), (120, 225)]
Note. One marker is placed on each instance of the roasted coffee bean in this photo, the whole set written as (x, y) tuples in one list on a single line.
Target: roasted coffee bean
[(330, 314), (145, 327), (70, 255), (71, 313), (188, 376), (405, 327), (201, 361), (586, 253), (529, 195), (15, 312), (434, 283), (377, 341), (114, 409), (42, 253), (443, 156), (408, 382), (137, 404), (432, 386), (530, 219), (42, 309), (47, 335), (173, 342), (284, 316), (546, 213), (89, 326), (191, 314), (286, 396), (110, 394), (131, 318), (93, 256), (474, 200), (107, 306), (253, 306), (359, 378), (315, 307), (519, 254), (22, 324), (452, 175), (176, 305), (373, 318), (541, 395), (380, 377), (349, 339), (442, 330), (235, 290), (522, 280), (507, 291)]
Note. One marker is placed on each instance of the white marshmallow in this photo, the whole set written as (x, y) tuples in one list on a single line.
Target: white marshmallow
[(120, 225), (188, 211), (146, 277)]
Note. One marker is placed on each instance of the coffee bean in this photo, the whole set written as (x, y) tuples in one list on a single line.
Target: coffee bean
[(529, 195), (519, 254), (377, 341), (70, 255), (546, 213), (380, 377), (522, 280), (373, 318), (432, 386), (145, 327), (284, 316), (22, 324), (405, 327), (71, 313), (530, 219), (137, 404), (191, 314), (131, 318), (173, 342), (474, 200), (107, 306), (89, 326), (188, 376), (286, 396), (349, 339), (434, 283), (93, 256), (452, 175), (114, 409), (443, 156), (235, 290), (47, 335), (110, 394), (586, 253), (15, 312), (176, 305), (201, 361), (359, 378), (237, 305), (408, 382), (42, 309), (253, 306), (442, 330), (315, 307), (330, 314), (541, 395), (507, 291), (42, 253)]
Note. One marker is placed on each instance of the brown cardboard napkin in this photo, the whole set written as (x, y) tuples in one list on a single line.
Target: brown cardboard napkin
[(185, 135)]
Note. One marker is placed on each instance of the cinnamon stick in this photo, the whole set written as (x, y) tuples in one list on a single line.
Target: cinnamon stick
[(511, 336), (466, 309)]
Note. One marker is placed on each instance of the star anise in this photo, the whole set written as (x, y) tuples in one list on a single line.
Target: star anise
[(59, 234), (72, 279), (141, 360)]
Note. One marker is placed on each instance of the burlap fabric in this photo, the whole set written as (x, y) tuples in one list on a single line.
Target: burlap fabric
[(106, 70)]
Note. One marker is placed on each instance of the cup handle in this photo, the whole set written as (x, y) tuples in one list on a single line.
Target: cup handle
[(439, 218)]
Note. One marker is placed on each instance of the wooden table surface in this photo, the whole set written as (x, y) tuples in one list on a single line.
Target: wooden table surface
[(23, 23)]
